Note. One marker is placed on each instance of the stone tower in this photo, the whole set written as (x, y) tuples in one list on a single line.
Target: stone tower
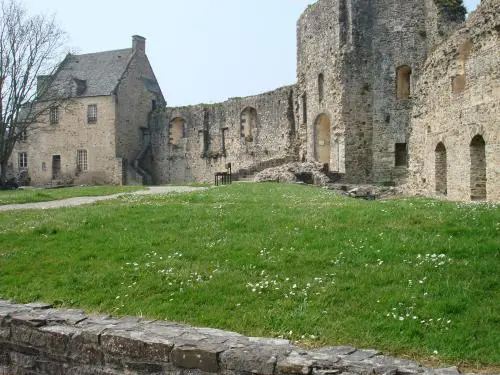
[(357, 63)]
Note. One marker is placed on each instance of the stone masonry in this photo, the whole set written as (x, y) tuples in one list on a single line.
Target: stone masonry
[(388, 92), (372, 79), (38, 339)]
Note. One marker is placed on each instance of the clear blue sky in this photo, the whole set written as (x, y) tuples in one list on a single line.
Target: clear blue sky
[(201, 50)]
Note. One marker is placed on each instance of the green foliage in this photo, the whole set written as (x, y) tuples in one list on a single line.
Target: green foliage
[(454, 9), (411, 276)]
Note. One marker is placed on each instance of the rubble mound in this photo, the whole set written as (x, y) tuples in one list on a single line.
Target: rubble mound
[(310, 173)]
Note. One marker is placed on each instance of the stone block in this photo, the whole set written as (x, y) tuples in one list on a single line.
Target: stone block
[(202, 357), (53, 339), (256, 359), (136, 345)]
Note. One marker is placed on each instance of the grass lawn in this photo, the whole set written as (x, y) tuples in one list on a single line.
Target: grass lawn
[(418, 277), (32, 195)]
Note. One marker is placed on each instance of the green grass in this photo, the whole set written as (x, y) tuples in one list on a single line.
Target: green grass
[(410, 276), (32, 195)]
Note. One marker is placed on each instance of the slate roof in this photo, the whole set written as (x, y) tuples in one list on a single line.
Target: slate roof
[(93, 74)]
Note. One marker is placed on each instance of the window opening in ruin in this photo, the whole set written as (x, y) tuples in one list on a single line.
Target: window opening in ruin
[(81, 160), (177, 131), (441, 169), (92, 113), (478, 168), (304, 108), (224, 133), (403, 82), (56, 166), (23, 160), (153, 104), (54, 115), (322, 139), (248, 123), (321, 83), (401, 155), (44, 167)]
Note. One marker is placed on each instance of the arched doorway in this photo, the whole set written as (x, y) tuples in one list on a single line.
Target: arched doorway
[(478, 168), (441, 169), (322, 139)]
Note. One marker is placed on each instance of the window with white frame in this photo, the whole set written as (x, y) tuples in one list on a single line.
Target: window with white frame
[(23, 160), (54, 115), (81, 160), (92, 113)]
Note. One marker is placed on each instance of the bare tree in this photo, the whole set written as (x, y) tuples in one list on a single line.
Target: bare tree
[(30, 46)]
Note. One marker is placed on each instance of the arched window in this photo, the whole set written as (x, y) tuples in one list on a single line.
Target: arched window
[(321, 83), (478, 168), (403, 82), (248, 123), (441, 169), (177, 131)]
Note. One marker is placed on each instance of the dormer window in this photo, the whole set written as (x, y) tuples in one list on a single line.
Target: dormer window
[(92, 113), (81, 86)]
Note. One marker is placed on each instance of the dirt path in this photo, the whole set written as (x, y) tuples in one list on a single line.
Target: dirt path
[(77, 201)]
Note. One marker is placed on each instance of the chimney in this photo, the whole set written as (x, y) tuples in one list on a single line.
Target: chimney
[(139, 44)]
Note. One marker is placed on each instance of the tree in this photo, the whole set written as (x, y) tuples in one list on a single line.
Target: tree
[(30, 47)]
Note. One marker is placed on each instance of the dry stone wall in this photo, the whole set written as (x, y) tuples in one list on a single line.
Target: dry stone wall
[(37, 339)]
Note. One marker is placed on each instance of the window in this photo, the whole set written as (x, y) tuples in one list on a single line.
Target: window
[(304, 108), (403, 84), (44, 167), (23, 160), (92, 113), (81, 160), (321, 84), (401, 155), (54, 115)]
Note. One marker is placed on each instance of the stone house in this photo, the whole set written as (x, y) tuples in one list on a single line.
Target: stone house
[(96, 133)]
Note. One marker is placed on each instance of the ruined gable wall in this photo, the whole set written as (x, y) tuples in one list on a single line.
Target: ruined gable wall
[(201, 151), (458, 97), (70, 134)]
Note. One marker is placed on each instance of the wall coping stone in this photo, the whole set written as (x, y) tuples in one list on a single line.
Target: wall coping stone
[(39, 339)]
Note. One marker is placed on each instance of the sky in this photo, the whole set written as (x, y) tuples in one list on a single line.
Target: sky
[(202, 51)]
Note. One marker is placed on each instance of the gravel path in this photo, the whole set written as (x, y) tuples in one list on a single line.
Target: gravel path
[(77, 201)]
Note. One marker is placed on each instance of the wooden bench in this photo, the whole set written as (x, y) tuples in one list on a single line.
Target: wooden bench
[(224, 178)]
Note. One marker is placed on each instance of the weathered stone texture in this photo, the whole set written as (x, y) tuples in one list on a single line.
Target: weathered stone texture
[(214, 135), (458, 123), (70, 342)]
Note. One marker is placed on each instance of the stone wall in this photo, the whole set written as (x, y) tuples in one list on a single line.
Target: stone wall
[(349, 54), (37, 339), (70, 134), (456, 114), (192, 143), (138, 94)]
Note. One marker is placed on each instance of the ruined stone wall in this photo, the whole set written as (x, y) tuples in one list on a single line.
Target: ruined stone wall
[(137, 93), (349, 55), (249, 133), (72, 133), (456, 110), (37, 339)]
